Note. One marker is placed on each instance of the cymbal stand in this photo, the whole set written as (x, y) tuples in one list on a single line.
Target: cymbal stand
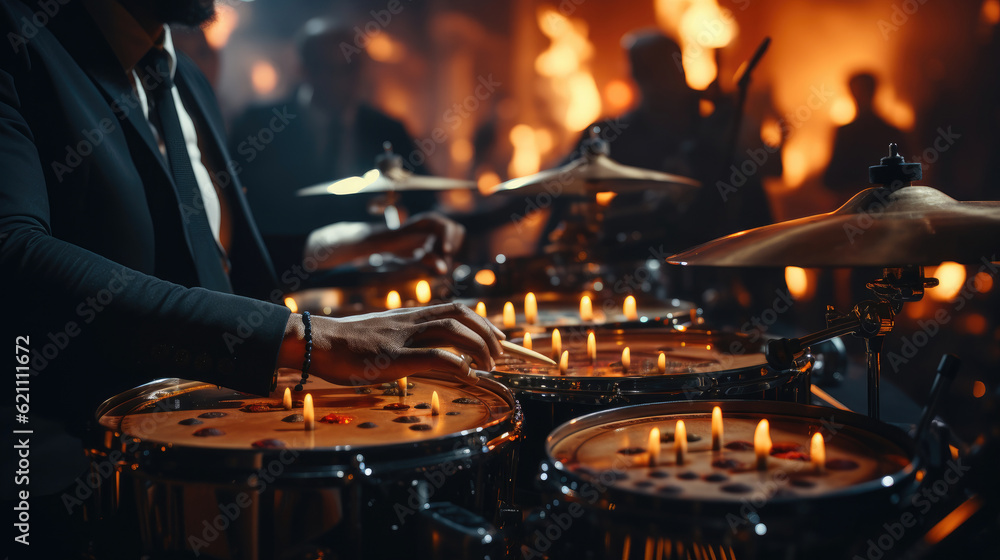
[(870, 319)]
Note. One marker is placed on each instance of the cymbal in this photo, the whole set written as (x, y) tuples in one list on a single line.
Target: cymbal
[(592, 174), (912, 226), (388, 180)]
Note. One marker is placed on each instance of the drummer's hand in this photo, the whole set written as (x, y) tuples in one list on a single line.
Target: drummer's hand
[(377, 347), (429, 238)]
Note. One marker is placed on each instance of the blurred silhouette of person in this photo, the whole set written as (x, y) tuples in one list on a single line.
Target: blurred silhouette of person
[(667, 131), (860, 143), (324, 131)]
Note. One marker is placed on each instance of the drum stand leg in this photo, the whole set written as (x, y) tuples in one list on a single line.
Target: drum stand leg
[(873, 351)]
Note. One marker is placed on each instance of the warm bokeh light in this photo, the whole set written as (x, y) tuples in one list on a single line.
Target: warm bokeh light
[(990, 12), (700, 27), (770, 132), (798, 282), (705, 107), (566, 63), (461, 150), (605, 198), (951, 276), (978, 389), (423, 291), (291, 304), (383, 48), (218, 31), (486, 277), (843, 110), (263, 77), (618, 95), (527, 158), (486, 181), (983, 282), (393, 301)]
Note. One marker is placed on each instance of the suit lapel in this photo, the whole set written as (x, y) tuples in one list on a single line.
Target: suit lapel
[(86, 44)]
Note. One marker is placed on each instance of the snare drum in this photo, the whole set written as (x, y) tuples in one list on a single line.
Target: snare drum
[(698, 365), (223, 474), (597, 476)]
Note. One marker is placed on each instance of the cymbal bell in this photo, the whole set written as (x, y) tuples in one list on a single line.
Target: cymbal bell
[(915, 225), (386, 180), (594, 173)]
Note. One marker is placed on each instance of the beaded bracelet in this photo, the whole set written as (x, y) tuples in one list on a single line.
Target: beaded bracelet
[(309, 348)]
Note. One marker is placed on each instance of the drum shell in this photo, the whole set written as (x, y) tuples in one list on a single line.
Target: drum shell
[(598, 521), (216, 503)]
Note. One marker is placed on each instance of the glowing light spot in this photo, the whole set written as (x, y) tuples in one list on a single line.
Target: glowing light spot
[(461, 150), (291, 304), (978, 389), (770, 132), (486, 181), (705, 107), (393, 301), (382, 48), (423, 291), (796, 165), (887, 481), (618, 95), (605, 198), (842, 111), (974, 324), (218, 31), (526, 158), (990, 12), (951, 277), (263, 77), (486, 277), (797, 281), (983, 282)]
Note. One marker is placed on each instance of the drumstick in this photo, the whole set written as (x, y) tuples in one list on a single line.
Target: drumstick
[(529, 355)]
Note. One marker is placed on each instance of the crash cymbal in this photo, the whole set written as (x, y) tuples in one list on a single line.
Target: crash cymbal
[(596, 173), (388, 176), (391, 180), (913, 225)]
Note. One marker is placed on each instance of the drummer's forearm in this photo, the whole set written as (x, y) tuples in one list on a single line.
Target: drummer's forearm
[(337, 244)]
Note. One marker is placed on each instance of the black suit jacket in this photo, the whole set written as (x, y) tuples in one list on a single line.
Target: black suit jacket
[(95, 262)]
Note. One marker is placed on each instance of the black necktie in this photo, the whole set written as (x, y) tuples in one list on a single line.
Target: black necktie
[(208, 257)]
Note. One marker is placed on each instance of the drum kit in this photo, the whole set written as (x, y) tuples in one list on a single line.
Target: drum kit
[(648, 433)]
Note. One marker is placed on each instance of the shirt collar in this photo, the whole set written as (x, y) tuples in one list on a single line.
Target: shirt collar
[(129, 41)]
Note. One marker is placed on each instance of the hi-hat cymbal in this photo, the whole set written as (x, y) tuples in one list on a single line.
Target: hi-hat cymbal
[(592, 174), (388, 180), (877, 227)]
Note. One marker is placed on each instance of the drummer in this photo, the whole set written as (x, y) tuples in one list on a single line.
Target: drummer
[(128, 252)]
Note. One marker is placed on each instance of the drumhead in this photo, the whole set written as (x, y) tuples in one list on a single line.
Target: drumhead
[(696, 362)]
